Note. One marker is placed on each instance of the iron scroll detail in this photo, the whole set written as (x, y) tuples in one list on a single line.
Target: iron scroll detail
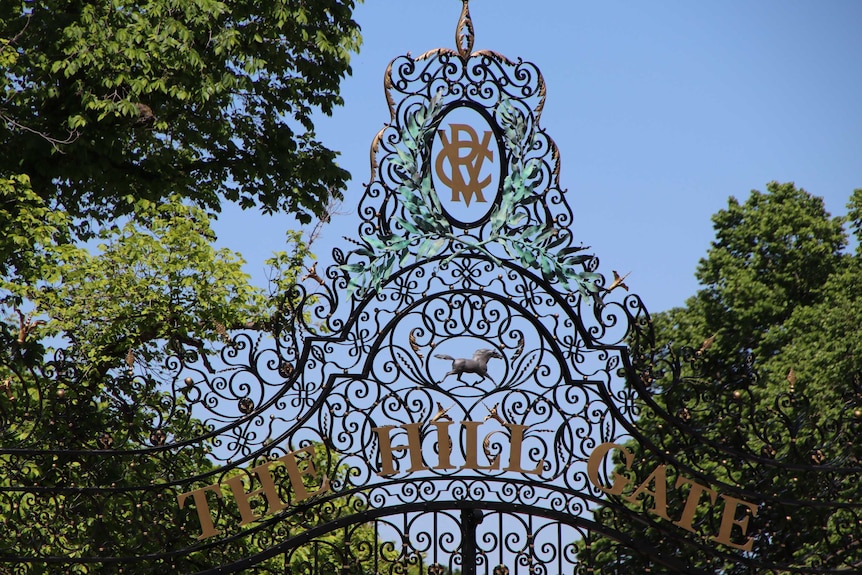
[(460, 390)]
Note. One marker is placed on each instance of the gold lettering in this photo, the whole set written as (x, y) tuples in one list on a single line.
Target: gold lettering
[(290, 462), (267, 489), (517, 442), (658, 478), (203, 508), (656, 486), (594, 463), (444, 445), (728, 520), (472, 162), (692, 502), (414, 447), (472, 444)]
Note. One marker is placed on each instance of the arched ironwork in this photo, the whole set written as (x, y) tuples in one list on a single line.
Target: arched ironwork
[(462, 390)]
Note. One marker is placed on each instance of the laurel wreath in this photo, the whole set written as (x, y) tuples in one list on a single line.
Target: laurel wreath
[(534, 246)]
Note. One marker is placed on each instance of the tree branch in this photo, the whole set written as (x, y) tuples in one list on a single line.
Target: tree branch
[(55, 142)]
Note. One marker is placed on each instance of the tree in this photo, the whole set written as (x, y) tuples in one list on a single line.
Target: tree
[(129, 124), (105, 104), (86, 372), (760, 388), (85, 343)]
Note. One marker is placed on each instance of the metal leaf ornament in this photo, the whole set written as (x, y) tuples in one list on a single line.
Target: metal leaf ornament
[(534, 246)]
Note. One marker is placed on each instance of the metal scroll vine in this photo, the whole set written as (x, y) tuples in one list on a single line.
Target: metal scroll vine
[(404, 220), (371, 352)]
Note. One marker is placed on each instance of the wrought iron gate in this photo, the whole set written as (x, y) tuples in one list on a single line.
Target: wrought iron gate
[(460, 391)]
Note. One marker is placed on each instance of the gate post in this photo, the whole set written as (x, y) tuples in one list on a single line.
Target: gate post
[(470, 518)]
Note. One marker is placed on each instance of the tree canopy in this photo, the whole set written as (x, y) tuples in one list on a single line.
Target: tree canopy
[(129, 124), (105, 104), (759, 391)]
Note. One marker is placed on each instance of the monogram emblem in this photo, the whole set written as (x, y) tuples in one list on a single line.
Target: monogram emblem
[(465, 156)]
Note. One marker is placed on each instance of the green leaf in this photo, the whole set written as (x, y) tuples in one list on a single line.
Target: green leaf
[(353, 269), (397, 244), (429, 248), (559, 239), (364, 251), (576, 260), (407, 226), (531, 168), (548, 232), (513, 250), (572, 250), (516, 219), (531, 231), (546, 266), (527, 257), (589, 280), (498, 218), (376, 243)]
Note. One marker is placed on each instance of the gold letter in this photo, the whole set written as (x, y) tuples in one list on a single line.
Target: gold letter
[(267, 488), (597, 457), (414, 446), (477, 152), (444, 445), (659, 478), (296, 475), (472, 455), (691, 502), (515, 451), (728, 520), (203, 508)]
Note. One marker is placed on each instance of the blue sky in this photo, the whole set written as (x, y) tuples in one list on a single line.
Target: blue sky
[(661, 110)]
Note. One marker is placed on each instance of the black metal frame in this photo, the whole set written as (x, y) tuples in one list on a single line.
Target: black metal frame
[(577, 367)]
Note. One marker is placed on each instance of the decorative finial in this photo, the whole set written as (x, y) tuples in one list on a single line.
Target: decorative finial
[(464, 33)]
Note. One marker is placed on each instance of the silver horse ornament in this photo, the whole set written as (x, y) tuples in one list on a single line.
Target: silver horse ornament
[(477, 365)]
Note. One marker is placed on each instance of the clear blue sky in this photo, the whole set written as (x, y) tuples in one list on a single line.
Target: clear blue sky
[(661, 110)]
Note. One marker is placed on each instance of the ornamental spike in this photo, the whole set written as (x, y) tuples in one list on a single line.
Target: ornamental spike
[(464, 35)]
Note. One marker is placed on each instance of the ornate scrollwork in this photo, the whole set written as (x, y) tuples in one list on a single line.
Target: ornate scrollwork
[(442, 364)]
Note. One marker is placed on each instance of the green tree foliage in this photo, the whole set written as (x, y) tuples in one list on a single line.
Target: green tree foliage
[(128, 124), (107, 103), (86, 334), (355, 549), (778, 286)]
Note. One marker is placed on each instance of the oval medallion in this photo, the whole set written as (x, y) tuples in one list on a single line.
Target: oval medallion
[(466, 166)]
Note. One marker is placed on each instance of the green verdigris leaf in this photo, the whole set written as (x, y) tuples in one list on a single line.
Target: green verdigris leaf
[(560, 236), (546, 234), (498, 218), (375, 243), (547, 266), (396, 243), (432, 199), (405, 160), (530, 231), (356, 269), (364, 251), (572, 250), (407, 226), (531, 168), (516, 218), (528, 257), (513, 250), (429, 248), (576, 260), (589, 281)]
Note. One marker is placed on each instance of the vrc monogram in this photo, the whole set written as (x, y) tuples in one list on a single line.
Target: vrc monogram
[(471, 162)]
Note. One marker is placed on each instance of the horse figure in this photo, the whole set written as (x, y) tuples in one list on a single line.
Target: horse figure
[(477, 365)]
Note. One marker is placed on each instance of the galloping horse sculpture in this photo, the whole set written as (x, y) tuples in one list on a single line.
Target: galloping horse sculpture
[(477, 365)]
